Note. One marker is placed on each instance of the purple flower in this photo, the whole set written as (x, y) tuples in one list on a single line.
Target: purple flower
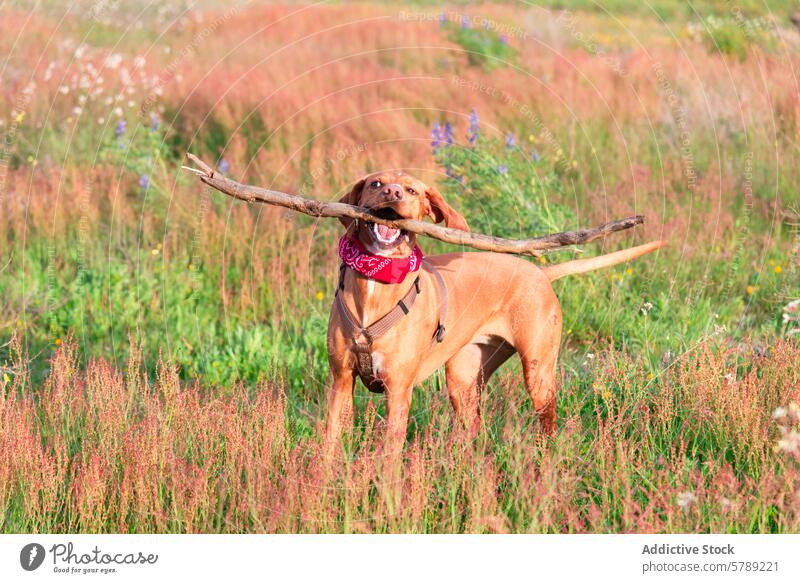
[(448, 134), (442, 18), (436, 137), (486, 25), (223, 166), (510, 142), (144, 181), (502, 169), (503, 39), (119, 131), (154, 123), (465, 22), (535, 156), (472, 131)]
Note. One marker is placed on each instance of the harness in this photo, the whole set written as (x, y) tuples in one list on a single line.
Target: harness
[(363, 350)]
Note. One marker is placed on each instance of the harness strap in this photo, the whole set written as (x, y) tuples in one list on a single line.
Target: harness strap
[(363, 350)]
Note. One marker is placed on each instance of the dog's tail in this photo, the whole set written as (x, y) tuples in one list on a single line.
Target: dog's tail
[(559, 270)]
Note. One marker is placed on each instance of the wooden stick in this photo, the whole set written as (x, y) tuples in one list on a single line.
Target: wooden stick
[(532, 247)]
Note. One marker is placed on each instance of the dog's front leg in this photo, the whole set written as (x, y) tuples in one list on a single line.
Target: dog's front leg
[(398, 404), (340, 410)]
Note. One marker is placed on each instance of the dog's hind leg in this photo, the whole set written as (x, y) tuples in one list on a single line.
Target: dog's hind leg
[(467, 373), (538, 351)]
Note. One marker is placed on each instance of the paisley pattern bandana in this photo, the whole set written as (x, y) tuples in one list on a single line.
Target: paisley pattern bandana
[(383, 269)]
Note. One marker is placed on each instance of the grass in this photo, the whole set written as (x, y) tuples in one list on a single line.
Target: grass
[(164, 365)]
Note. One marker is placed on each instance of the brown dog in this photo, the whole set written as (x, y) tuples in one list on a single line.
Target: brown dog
[(496, 305)]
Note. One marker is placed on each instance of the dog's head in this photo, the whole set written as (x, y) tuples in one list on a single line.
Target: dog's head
[(397, 195)]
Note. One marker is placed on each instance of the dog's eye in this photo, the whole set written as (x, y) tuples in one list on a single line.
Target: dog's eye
[(376, 184), (411, 191)]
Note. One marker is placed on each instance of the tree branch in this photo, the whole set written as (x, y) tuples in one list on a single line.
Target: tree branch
[(532, 247)]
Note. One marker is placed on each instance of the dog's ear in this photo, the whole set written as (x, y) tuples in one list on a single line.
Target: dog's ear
[(353, 197), (440, 211)]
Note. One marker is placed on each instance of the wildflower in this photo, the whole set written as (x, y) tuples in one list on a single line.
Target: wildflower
[(223, 166), (119, 131), (606, 394), (574, 163), (465, 22), (6, 378), (510, 142), (646, 307), (473, 130), (448, 134), (57, 341), (113, 61), (535, 156), (442, 18), (778, 268), (154, 121), (725, 503), (144, 181), (320, 295), (685, 500), (502, 169), (154, 251), (629, 271), (779, 413), (730, 377), (436, 137), (542, 259), (650, 376), (503, 39), (750, 289)]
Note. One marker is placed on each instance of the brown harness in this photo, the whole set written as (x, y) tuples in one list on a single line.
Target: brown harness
[(363, 350)]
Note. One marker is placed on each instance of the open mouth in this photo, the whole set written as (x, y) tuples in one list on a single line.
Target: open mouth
[(386, 236)]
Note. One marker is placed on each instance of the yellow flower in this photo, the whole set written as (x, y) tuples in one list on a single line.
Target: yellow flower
[(574, 163), (606, 394), (778, 268), (771, 262), (531, 138), (57, 341), (20, 117), (629, 271), (750, 290), (542, 259), (650, 376), (6, 378), (154, 251), (320, 295)]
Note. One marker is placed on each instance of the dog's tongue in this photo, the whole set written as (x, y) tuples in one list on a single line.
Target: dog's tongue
[(386, 232)]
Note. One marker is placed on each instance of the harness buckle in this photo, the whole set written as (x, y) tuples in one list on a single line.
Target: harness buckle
[(416, 285), (440, 333)]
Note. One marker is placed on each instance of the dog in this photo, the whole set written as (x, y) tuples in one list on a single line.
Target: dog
[(397, 317)]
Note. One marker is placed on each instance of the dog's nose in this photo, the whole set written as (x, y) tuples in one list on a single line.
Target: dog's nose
[(392, 191)]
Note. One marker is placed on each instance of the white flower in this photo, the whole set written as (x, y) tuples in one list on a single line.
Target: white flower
[(77, 110), (730, 377), (138, 62), (101, 120), (63, 90), (113, 60), (779, 413), (685, 500), (80, 51), (118, 111)]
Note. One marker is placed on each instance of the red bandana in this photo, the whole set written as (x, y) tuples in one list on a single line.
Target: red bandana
[(383, 269)]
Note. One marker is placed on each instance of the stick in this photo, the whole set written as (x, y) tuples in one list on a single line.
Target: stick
[(532, 247)]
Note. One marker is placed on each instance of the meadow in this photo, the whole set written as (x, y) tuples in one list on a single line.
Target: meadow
[(163, 353)]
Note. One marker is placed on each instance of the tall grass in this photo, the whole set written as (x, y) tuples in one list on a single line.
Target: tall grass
[(692, 450)]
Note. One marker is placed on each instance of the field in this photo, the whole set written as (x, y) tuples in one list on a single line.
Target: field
[(163, 352)]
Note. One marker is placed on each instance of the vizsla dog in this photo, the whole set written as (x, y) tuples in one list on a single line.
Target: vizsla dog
[(397, 318)]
